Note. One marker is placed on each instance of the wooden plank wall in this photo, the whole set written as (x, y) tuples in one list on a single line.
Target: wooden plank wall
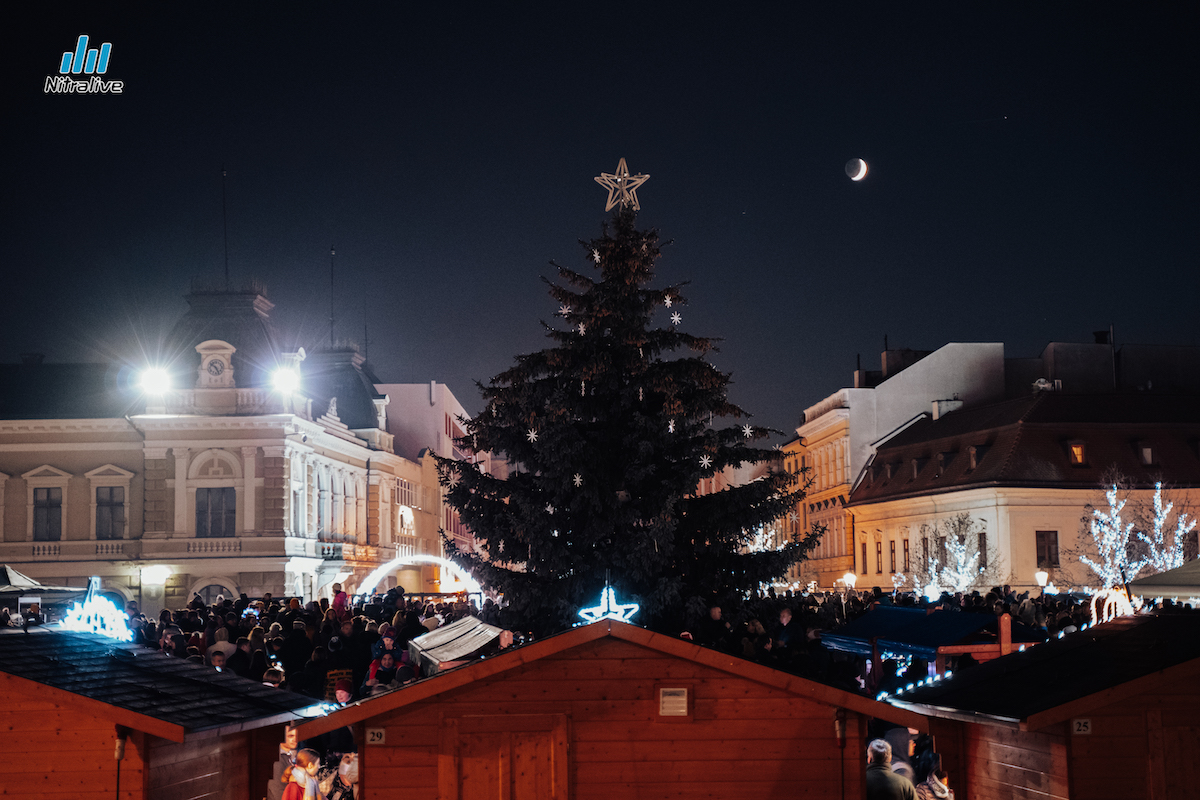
[(56, 752), (746, 740), (214, 768), (1005, 764), (1124, 756)]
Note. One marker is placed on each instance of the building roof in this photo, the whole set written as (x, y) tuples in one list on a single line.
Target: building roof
[(240, 317), (515, 658), (1025, 442), (1054, 681), (141, 688)]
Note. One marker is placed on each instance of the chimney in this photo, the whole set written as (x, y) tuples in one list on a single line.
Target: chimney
[(943, 407)]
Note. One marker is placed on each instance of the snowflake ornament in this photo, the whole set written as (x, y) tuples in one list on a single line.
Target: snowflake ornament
[(676, 318), (747, 431), (582, 328), (670, 426), (596, 256), (793, 516), (531, 436), (563, 310), (640, 398), (583, 388), (705, 461), (577, 480), (550, 509), (667, 302)]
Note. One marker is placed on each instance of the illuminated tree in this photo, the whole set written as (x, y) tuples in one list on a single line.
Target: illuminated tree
[(610, 430), (1165, 546), (1114, 564)]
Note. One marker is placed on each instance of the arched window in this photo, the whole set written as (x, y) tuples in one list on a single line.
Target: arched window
[(214, 493)]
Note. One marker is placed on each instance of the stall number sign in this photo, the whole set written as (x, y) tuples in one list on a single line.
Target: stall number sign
[(376, 735), (1081, 727)]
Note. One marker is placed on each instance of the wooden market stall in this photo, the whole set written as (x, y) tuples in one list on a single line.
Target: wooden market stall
[(1109, 712), (185, 730), (612, 710)]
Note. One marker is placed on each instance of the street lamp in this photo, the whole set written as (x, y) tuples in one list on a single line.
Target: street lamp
[(1041, 576), (286, 380)]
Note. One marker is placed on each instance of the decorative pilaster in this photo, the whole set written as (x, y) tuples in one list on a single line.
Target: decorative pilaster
[(277, 491), (181, 469), (250, 503)]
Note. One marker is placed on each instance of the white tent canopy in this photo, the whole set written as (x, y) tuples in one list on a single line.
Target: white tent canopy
[(1181, 583)]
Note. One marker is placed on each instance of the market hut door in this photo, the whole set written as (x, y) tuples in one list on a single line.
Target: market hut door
[(510, 757)]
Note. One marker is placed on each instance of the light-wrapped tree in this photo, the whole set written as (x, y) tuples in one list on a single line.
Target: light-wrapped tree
[(609, 432)]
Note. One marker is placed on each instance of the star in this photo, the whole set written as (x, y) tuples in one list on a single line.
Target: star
[(622, 187), (577, 480), (747, 431), (705, 461), (564, 310), (793, 516), (676, 318), (667, 302), (582, 328), (531, 436), (549, 509), (596, 255), (609, 608)]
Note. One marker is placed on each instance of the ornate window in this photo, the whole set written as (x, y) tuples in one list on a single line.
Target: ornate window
[(110, 502), (46, 503), (214, 479)]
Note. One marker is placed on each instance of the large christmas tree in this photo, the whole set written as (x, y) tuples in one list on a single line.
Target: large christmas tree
[(608, 433)]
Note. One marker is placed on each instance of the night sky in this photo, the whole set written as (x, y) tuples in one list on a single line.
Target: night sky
[(1033, 176)]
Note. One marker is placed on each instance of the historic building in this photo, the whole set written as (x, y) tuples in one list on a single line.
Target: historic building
[(913, 389), (1022, 472), (249, 468)]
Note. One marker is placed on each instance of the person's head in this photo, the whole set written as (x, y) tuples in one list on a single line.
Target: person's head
[(343, 690), (337, 587), (879, 752), (291, 738), (217, 659), (273, 677), (309, 761), (785, 616), (387, 660), (243, 644), (714, 612)]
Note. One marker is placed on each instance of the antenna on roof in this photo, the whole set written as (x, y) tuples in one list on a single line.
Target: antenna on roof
[(366, 341), (331, 255), (225, 225)]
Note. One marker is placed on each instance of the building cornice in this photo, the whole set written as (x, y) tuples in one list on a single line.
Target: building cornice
[(104, 425)]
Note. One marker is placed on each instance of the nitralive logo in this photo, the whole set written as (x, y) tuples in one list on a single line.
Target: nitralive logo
[(87, 62)]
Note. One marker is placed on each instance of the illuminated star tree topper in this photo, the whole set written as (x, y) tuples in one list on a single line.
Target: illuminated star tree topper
[(609, 608), (622, 188)]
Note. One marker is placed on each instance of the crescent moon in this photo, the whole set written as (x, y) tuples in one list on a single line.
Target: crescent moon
[(860, 169)]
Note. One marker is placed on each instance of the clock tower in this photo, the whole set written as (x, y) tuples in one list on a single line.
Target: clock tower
[(216, 365)]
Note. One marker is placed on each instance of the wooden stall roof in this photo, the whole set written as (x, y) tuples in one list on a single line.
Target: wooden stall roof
[(140, 688), (1057, 680), (516, 657)]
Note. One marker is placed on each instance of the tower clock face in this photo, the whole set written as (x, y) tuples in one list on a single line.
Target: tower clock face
[(216, 367)]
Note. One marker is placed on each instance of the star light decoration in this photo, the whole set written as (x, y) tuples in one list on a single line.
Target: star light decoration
[(667, 302), (622, 187), (676, 318), (609, 608), (531, 436), (596, 255), (747, 431), (577, 480), (550, 509), (705, 461)]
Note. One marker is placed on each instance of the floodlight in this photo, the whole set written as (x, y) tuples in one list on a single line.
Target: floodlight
[(286, 380), (155, 380)]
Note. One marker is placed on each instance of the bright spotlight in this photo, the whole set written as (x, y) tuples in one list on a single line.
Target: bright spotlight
[(155, 380), (286, 380)]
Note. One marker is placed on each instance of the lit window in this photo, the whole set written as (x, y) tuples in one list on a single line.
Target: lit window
[(864, 558), (907, 562), (892, 545), (1147, 453), (879, 558), (1078, 453), (1047, 549)]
